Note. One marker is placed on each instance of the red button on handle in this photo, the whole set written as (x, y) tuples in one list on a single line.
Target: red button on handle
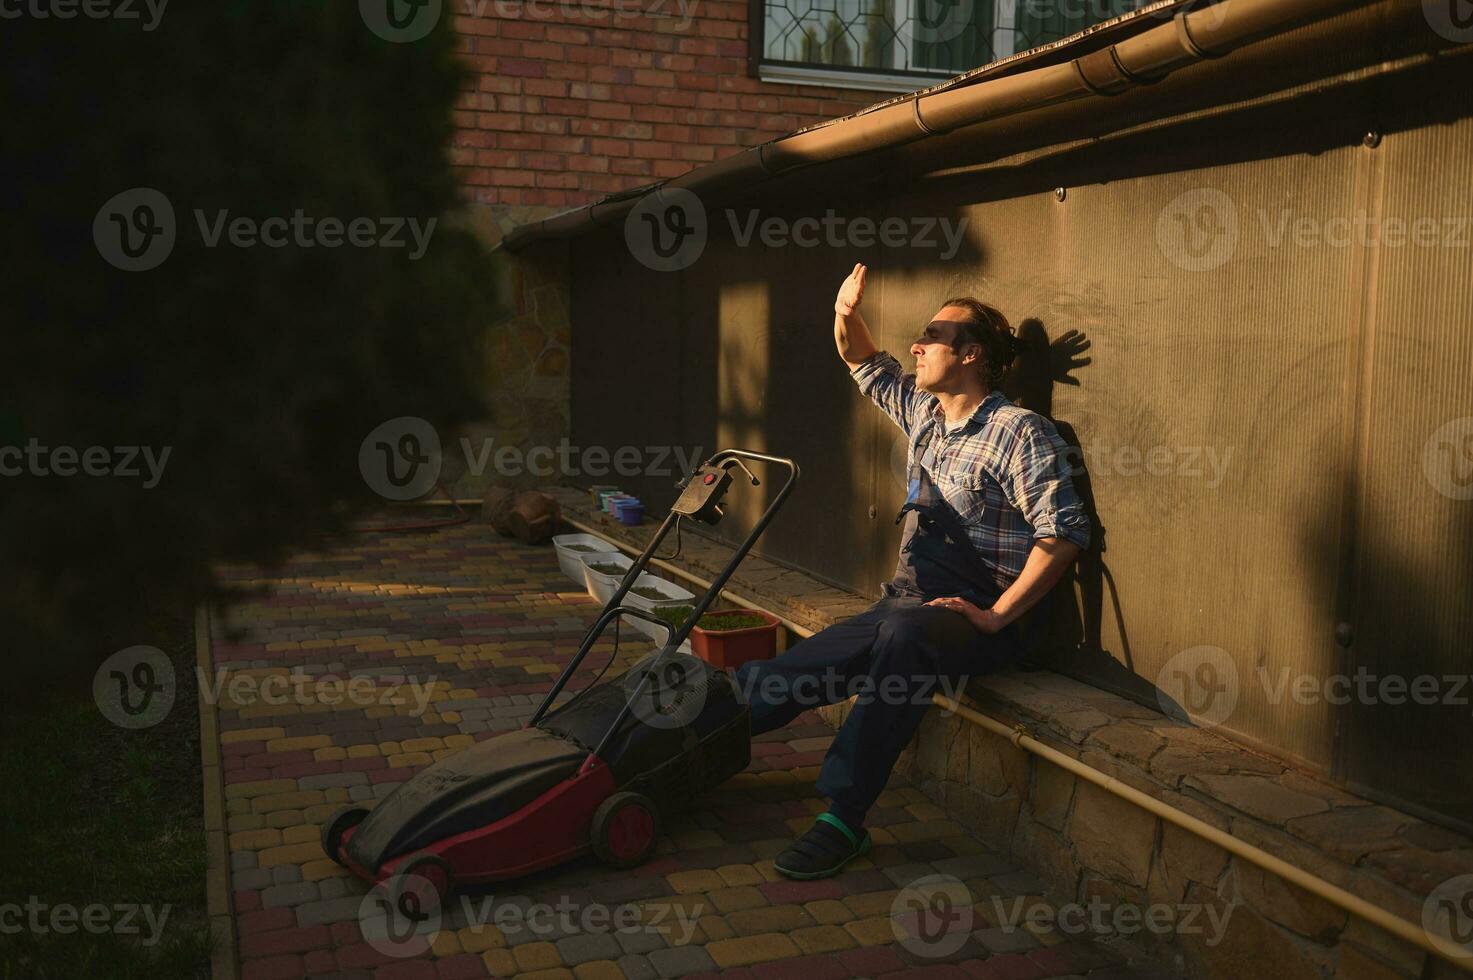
[(710, 479)]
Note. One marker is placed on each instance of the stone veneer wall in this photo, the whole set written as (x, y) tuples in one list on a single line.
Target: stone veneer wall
[(527, 364), (1093, 845)]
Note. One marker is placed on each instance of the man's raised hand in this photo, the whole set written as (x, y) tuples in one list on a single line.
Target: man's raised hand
[(851, 293)]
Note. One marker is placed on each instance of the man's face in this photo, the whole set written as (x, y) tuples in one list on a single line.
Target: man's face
[(939, 368)]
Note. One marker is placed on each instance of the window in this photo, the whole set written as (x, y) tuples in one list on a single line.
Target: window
[(907, 44)]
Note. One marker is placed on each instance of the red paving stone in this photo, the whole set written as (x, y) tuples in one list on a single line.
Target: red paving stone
[(452, 636)]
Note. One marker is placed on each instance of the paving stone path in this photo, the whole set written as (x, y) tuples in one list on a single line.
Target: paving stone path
[(450, 638)]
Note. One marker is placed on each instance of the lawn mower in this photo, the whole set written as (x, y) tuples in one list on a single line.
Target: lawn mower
[(597, 772)]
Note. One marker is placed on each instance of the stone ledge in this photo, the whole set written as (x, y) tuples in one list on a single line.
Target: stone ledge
[(788, 592), (1093, 844)]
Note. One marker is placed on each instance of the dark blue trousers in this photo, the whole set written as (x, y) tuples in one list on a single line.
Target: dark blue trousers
[(893, 656)]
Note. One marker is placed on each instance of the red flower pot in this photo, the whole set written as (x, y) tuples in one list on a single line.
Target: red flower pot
[(732, 648)]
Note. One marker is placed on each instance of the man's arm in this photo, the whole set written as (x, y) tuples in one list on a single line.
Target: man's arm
[(851, 334), (1046, 564)]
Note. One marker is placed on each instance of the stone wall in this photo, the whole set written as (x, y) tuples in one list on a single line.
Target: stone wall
[(1230, 918)]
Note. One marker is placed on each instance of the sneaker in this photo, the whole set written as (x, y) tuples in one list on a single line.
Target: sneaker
[(827, 847)]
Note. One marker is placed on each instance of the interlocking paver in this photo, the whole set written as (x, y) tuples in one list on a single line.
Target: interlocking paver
[(445, 639)]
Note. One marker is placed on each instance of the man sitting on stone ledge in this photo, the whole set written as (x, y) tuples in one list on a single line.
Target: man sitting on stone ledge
[(992, 521)]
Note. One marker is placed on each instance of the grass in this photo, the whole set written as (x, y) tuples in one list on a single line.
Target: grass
[(606, 568), (93, 815), (711, 622)]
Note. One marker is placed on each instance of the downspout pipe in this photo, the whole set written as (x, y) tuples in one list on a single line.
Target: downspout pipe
[(1401, 928), (1189, 37)]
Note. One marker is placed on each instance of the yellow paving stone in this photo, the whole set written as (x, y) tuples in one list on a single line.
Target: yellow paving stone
[(378, 711), (319, 814), (460, 741), (714, 928), (281, 819), (445, 943), (871, 903), (776, 777), (234, 807), (453, 718), (556, 973), (874, 931), (363, 751), (880, 835), (598, 970), (474, 939), (251, 735), (300, 833), (289, 854), (254, 840), (823, 939), (287, 801), (768, 871), (740, 874), (323, 868), (536, 956), (828, 911), (912, 795), (245, 821), (410, 759), (773, 918), (499, 962), (265, 711), (389, 748), (737, 898), (686, 882), (747, 950), (333, 753), (298, 742), (261, 787)]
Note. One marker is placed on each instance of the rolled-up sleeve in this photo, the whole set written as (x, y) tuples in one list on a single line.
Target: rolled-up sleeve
[(883, 381), (1041, 487)]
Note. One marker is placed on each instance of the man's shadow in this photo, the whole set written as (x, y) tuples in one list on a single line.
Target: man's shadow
[(1063, 631)]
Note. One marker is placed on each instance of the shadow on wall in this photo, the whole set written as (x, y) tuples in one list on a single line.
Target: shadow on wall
[(1063, 631)]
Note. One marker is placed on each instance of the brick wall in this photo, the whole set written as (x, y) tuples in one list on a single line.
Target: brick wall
[(574, 99)]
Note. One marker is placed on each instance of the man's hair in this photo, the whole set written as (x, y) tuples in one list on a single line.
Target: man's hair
[(987, 326)]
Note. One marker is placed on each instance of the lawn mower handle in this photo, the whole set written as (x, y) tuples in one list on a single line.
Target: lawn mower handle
[(676, 637)]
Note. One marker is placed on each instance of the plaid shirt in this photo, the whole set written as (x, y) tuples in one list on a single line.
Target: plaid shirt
[(1004, 472)]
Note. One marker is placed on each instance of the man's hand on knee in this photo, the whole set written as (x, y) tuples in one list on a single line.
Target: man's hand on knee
[(983, 620)]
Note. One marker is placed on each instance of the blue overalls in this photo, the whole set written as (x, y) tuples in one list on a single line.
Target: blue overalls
[(892, 655)]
